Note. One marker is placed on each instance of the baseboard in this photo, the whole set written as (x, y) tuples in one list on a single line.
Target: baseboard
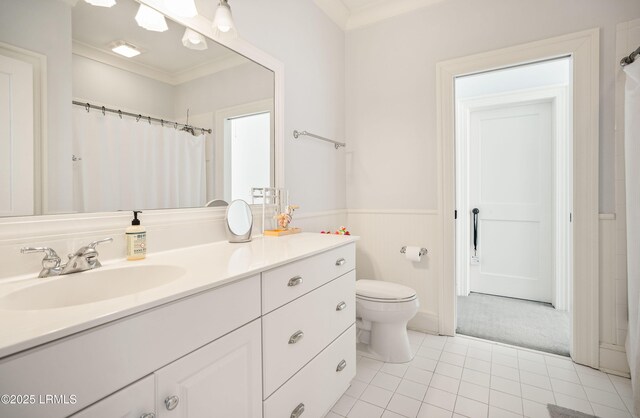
[(424, 322), (613, 360)]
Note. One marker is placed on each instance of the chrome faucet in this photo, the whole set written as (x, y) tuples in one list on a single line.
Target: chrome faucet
[(86, 258)]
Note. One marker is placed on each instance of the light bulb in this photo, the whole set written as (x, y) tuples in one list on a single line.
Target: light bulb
[(150, 19), (193, 40), (223, 21)]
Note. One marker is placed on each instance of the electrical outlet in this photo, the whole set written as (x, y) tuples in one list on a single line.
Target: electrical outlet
[(475, 260)]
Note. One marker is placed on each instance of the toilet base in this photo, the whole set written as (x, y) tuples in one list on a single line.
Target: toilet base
[(385, 342)]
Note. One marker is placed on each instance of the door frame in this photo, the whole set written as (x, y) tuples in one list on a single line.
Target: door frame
[(561, 163), (584, 48)]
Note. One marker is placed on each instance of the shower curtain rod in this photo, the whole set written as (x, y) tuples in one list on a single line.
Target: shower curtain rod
[(630, 58), (138, 117)]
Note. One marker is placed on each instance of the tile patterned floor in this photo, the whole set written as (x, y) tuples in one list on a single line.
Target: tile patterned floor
[(466, 377)]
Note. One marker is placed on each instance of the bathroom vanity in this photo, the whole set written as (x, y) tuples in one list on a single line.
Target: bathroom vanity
[(260, 329)]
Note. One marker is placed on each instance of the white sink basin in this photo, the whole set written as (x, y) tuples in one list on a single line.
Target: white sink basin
[(90, 286)]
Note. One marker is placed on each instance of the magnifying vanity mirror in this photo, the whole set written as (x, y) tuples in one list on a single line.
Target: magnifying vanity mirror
[(239, 221), (107, 115)]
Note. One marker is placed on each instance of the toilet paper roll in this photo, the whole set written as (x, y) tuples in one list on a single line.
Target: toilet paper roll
[(412, 253)]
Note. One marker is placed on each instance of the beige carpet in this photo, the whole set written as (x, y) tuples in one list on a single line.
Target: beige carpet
[(518, 322)]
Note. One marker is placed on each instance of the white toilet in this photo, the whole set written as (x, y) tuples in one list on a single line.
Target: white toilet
[(383, 310)]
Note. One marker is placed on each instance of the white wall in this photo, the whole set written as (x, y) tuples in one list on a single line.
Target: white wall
[(238, 85), (312, 49), (392, 163), (44, 26), (110, 86)]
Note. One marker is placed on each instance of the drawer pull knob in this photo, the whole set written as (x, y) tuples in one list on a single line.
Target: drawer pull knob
[(148, 415), (294, 281), (340, 262), (341, 306), (171, 402), (298, 411), (341, 366), (297, 336)]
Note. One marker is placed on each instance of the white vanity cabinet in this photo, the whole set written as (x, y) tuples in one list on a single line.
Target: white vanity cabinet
[(135, 401), (280, 343), (309, 339)]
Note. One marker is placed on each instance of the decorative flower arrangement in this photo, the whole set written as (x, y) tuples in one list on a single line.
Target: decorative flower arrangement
[(341, 231)]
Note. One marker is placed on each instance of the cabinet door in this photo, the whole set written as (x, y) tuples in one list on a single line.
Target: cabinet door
[(134, 401), (221, 379)]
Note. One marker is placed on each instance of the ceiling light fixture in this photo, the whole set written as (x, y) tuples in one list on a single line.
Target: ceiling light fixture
[(193, 40), (101, 3), (125, 49), (150, 19), (223, 21), (182, 8)]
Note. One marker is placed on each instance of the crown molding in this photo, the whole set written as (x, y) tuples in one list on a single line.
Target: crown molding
[(336, 10), (223, 63), (367, 15)]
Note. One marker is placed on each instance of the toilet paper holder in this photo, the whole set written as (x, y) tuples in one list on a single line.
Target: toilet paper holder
[(423, 251)]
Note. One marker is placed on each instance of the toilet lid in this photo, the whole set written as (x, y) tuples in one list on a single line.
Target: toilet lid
[(380, 290)]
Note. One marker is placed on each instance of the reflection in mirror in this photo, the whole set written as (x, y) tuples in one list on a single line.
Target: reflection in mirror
[(239, 221), (174, 120)]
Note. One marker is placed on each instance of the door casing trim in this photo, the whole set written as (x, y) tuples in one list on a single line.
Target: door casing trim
[(584, 48)]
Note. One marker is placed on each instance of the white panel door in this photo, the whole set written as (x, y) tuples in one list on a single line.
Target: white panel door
[(510, 182), (16, 137), (221, 379)]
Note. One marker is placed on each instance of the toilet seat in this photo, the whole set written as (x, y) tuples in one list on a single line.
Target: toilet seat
[(383, 292)]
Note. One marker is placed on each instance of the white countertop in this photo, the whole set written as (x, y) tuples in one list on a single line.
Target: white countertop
[(207, 266)]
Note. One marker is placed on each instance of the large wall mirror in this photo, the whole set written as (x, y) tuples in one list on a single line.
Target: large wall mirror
[(98, 113)]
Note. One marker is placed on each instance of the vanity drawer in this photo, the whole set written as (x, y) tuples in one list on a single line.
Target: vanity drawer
[(297, 332), (284, 284), (319, 385)]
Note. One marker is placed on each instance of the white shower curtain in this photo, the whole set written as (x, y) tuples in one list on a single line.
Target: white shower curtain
[(632, 176), (124, 165)]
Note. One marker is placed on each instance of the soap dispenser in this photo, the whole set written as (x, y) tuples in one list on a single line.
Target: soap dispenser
[(136, 239)]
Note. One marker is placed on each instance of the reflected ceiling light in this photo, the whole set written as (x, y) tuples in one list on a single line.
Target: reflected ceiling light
[(182, 8), (151, 19), (193, 40), (125, 49), (223, 22), (101, 3)]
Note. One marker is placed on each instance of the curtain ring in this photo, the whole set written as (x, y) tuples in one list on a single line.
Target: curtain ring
[(87, 107), (162, 122), (202, 129), (138, 118), (149, 119), (104, 111), (120, 113), (175, 125)]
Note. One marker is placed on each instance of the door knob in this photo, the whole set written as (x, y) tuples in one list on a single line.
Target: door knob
[(171, 402)]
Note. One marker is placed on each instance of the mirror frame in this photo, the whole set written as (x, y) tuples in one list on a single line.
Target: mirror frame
[(14, 227)]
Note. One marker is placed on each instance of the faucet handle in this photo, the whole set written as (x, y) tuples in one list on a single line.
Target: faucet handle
[(49, 252), (94, 244), (51, 259)]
